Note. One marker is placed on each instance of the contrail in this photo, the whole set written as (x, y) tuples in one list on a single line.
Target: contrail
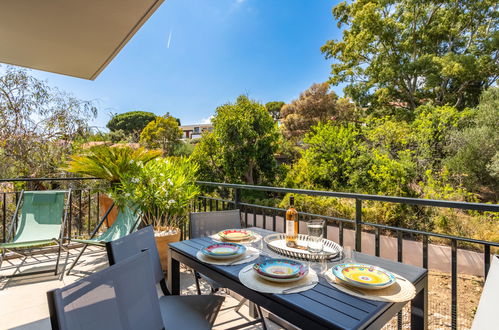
[(169, 39)]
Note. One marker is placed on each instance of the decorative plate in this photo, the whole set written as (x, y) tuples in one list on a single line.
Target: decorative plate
[(235, 234), (223, 250), (363, 276), (301, 273), (280, 268), (277, 243)]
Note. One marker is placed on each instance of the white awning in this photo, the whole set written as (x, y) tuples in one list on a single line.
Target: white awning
[(73, 37)]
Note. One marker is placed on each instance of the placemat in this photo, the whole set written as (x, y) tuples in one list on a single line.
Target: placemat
[(226, 262), (400, 291), (250, 279), (254, 238)]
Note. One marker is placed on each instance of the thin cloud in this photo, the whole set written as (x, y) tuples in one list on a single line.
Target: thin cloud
[(206, 120), (169, 39)]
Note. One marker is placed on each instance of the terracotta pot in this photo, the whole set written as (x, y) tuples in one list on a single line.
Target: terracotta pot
[(105, 203), (162, 244)]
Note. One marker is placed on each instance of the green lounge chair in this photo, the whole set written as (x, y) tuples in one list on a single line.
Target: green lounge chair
[(41, 222), (126, 223)]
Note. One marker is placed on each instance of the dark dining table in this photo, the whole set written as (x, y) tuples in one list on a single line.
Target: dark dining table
[(322, 307)]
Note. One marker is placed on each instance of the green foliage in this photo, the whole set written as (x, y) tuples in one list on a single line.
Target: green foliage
[(37, 125), (430, 130), (184, 148), (242, 145), (401, 53), (331, 155), (162, 132), (112, 164), (162, 189), (131, 123), (274, 108), (474, 150), (338, 158)]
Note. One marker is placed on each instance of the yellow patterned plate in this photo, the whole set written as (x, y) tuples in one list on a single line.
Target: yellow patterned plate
[(364, 276)]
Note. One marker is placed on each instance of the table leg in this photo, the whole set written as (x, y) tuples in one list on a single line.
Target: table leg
[(419, 308), (173, 274), (252, 310)]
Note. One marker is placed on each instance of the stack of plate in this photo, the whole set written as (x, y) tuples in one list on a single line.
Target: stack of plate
[(363, 276), (281, 270), (224, 250), (235, 234)]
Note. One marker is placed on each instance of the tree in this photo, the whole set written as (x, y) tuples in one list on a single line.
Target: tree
[(162, 132), (339, 158), (430, 131), (274, 108), (37, 124), (474, 150), (407, 51), (242, 145), (316, 104), (130, 123)]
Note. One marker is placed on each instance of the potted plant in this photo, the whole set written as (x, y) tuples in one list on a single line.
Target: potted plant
[(112, 164), (163, 190)]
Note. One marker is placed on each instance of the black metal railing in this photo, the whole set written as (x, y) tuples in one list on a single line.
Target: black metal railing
[(207, 203)]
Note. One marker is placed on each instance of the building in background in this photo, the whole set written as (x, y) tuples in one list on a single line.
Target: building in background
[(194, 131)]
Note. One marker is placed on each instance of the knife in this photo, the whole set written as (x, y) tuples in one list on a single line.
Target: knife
[(299, 286), (246, 257)]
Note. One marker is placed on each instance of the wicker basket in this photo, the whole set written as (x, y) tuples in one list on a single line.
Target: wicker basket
[(277, 243)]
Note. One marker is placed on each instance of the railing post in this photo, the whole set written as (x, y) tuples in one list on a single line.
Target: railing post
[(358, 225), (237, 198), (4, 218), (454, 284), (486, 259)]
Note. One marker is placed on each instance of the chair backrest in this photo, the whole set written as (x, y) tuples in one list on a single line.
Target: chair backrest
[(126, 222), (208, 223), (135, 243), (486, 313), (122, 296), (41, 215)]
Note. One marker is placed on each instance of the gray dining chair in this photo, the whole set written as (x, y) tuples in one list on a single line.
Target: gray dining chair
[(187, 312), (202, 224), (122, 296)]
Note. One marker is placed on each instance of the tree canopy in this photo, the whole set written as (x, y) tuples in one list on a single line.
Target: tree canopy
[(38, 124), (274, 108), (405, 52), (130, 123), (163, 133), (316, 104), (242, 145)]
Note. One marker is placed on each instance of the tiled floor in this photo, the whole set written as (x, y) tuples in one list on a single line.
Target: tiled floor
[(23, 302)]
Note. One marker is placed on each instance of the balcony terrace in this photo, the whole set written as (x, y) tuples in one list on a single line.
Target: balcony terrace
[(457, 265)]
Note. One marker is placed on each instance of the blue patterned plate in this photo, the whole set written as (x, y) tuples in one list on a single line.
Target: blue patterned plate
[(280, 268), (223, 250)]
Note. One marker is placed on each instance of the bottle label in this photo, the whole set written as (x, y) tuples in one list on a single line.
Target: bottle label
[(290, 228)]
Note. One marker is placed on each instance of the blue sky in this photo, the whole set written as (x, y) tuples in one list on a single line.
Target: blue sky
[(194, 55)]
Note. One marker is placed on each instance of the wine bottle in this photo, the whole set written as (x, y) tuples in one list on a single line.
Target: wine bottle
[(291, 223)]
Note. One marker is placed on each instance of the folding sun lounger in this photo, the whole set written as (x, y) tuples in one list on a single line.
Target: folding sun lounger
[(38, 221), (126, 223)]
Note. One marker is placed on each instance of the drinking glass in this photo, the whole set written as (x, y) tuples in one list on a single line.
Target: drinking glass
[(320, 266), (348, 254), (257, 243), (315, 230)]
